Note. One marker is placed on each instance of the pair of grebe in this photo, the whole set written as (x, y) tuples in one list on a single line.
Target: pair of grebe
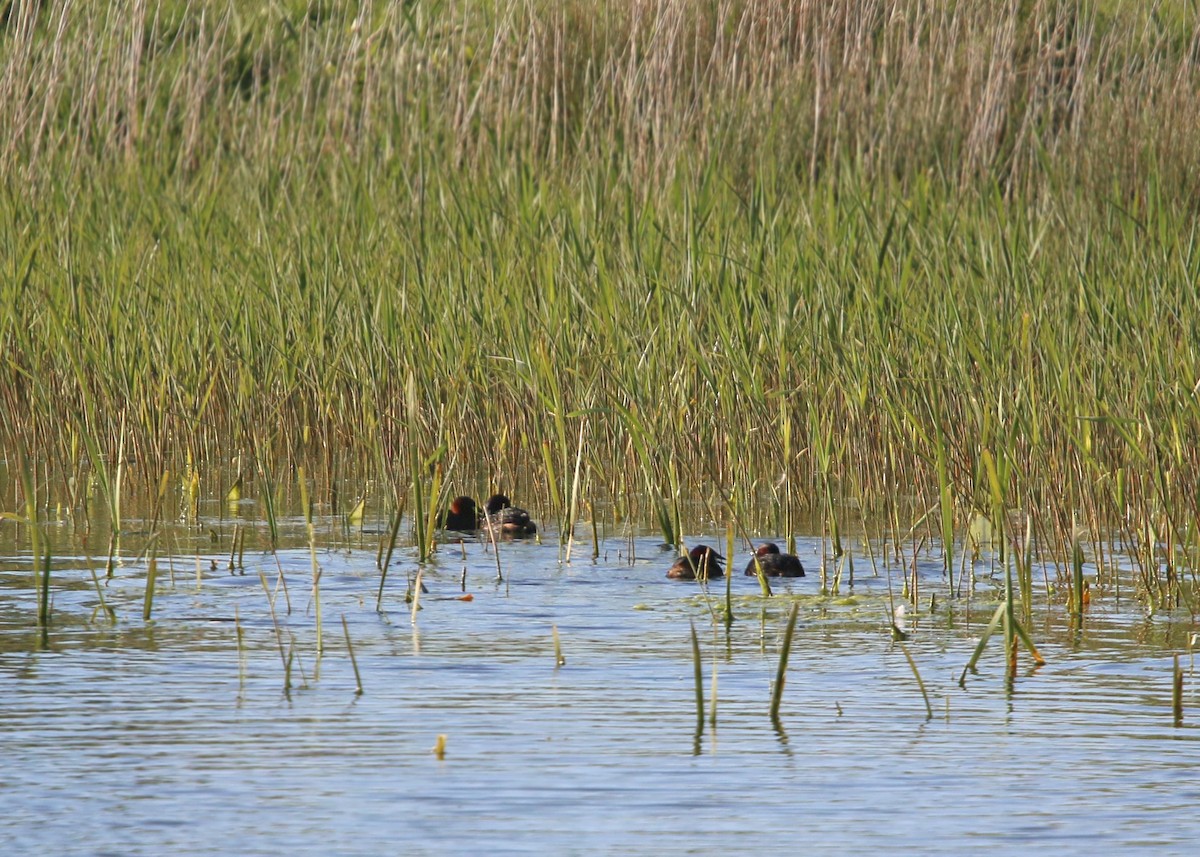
[(499, 516), (702, 562)]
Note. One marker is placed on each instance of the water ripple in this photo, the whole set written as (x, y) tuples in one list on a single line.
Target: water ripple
[(148, 738)]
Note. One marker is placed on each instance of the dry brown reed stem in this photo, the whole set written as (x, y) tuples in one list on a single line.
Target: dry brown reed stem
[(970, 89)]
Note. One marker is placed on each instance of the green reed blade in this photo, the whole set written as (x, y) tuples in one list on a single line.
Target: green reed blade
[(151, 580), (1076, 574), (1177, 693), (302, 485), (393, 534), (358, 685), (1038, 660), (917, 675), (699, 677), (416, 594), (728, 580), (240, 639), (781, 670), (946, 502), (997, 618)]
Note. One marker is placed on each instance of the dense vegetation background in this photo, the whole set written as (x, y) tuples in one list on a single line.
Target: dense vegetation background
[(904, 253)]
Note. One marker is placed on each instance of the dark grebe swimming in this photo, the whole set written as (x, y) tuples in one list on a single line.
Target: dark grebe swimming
[(699, 563), (505, 519), (774, 563), (463, 515)]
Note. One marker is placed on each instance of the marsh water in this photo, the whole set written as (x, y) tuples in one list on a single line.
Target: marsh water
[(125, 736)]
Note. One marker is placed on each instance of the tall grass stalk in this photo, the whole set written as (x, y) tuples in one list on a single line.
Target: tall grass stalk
[(393, 533), (1023, 555), (44, 596), (996, 621), (728, 612), (595, 532), (1076, 575), (310, 532), (110, 562), (785, 421), (917, 675), (573, 506), (283, 655), (494, 538), (358, 685), (39, 554), (1177, 693), (698, 675), (781, 671), (240, 639), (1010, 621), (151, 581), (233, 547), (946, 502), (269, 501), (712, 708), (104, 605), (416, 595)]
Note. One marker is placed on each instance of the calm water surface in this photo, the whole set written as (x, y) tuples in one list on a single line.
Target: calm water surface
[(146, 738)]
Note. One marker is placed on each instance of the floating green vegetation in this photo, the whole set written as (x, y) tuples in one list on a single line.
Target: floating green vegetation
[(894, 261)]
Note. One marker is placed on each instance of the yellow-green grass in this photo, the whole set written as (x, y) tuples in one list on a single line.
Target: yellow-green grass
[(674, 256)]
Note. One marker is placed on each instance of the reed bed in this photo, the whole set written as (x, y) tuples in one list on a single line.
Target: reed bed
[(925, 260)]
